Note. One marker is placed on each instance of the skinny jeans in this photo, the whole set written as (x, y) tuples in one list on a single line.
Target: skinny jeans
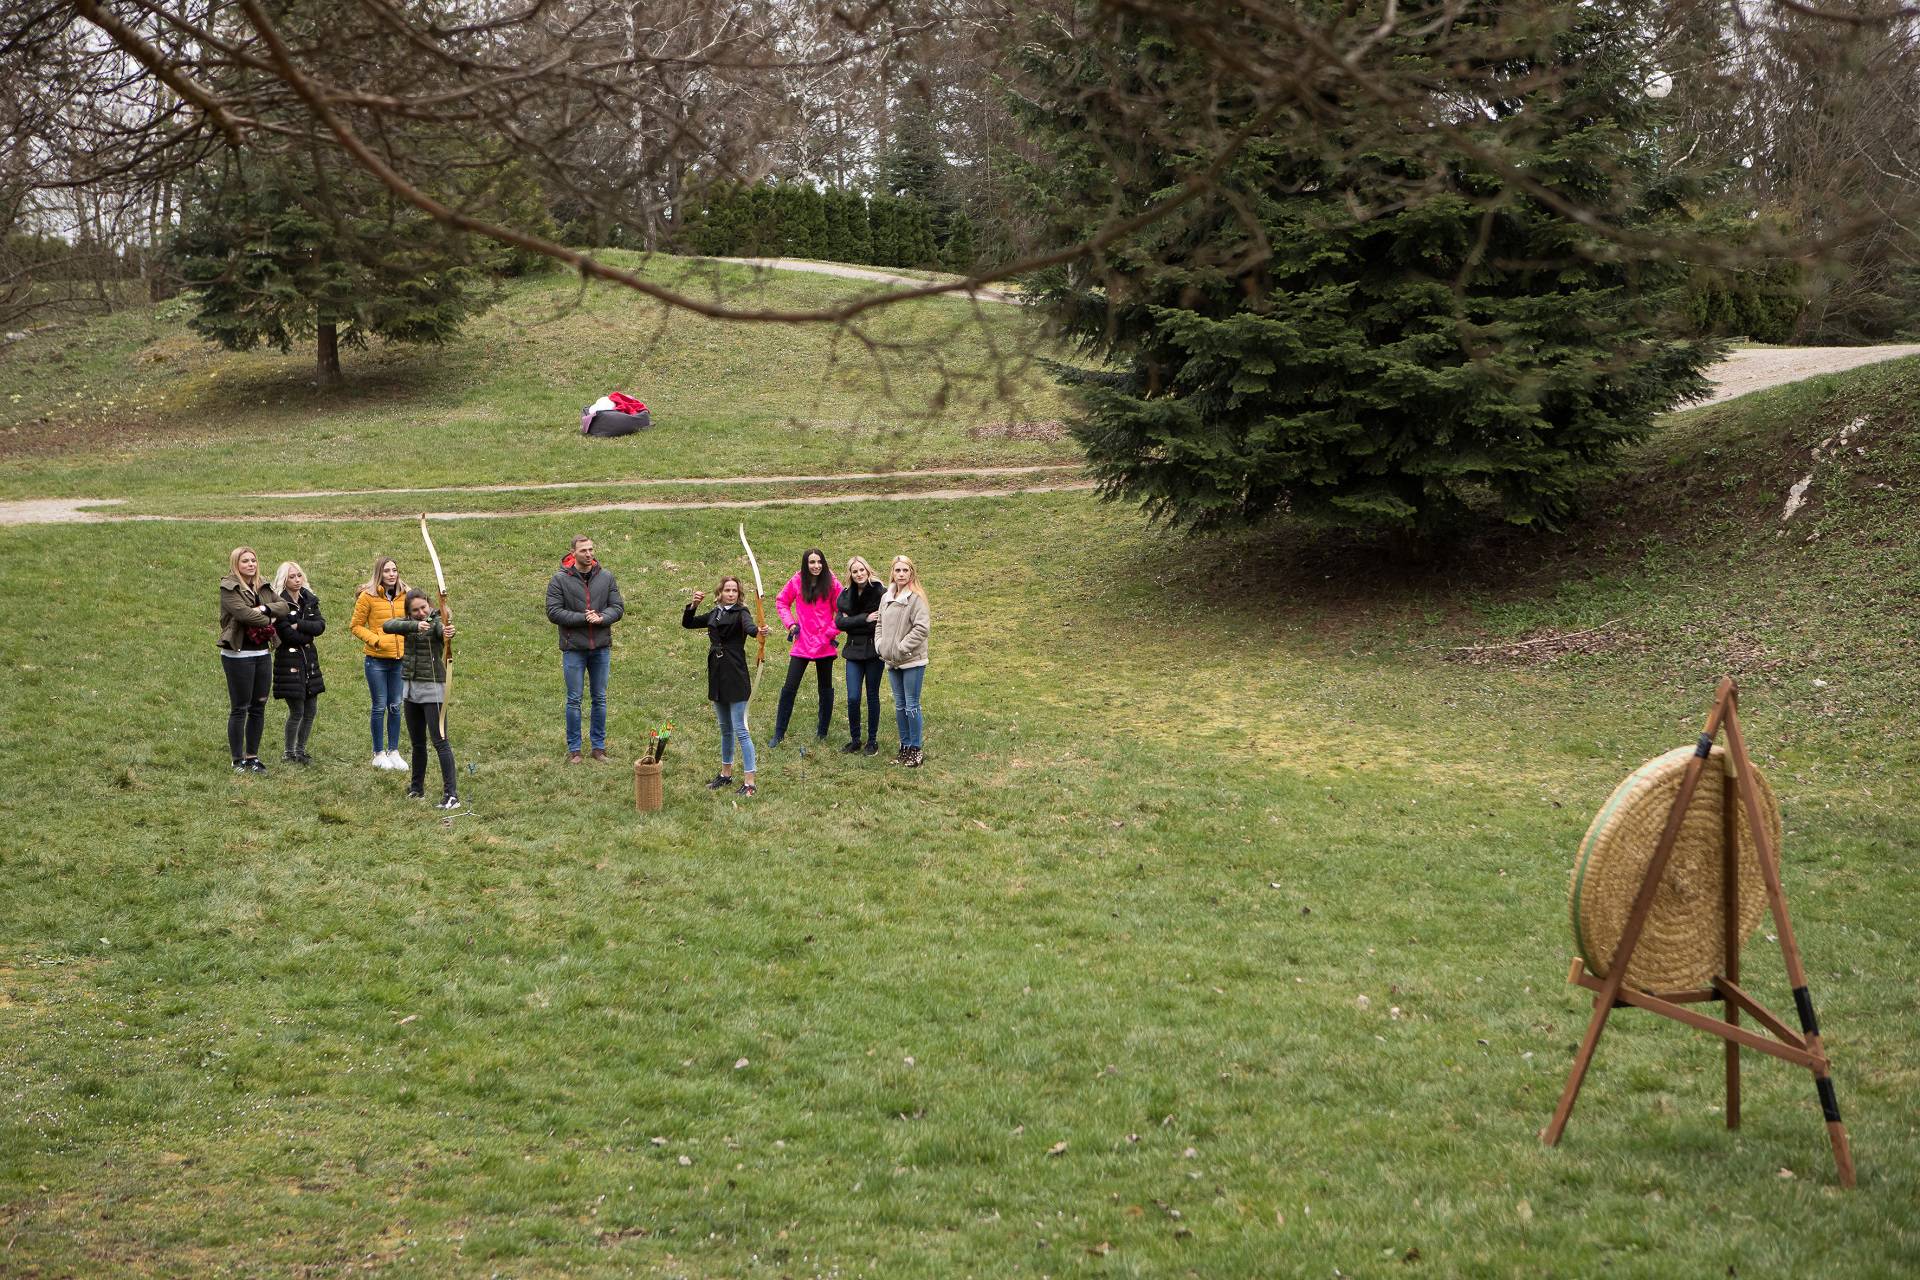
[(864, 673), (905, 683), (733, 728), (249, 681), (300, 723), (387, 682)]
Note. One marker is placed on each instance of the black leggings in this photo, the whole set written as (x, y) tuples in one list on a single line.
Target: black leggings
[(823, 672), (300, 723), (423, 720), (249, 681)]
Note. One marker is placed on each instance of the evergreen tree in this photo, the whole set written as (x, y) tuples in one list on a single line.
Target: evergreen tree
[(958, 253), (859, 230), (761, 229), (793, 220), (282, 247), (810, 241), (1465, 346), (915, 166), (883, 226), (714, 230), (917, 246), (838, 242)]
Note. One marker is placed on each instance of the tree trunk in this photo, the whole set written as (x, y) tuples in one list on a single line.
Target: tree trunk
[(328, 343)]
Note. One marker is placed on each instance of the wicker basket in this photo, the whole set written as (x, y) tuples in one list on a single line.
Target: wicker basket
[(648, 794)]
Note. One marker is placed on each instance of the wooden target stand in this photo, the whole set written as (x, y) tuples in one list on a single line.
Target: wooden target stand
[(1803, 1049)]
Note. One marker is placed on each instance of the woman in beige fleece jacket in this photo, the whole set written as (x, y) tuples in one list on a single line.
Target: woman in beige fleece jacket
[(901, 638)]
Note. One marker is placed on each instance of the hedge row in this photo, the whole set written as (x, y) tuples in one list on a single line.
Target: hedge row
[(798, 220)]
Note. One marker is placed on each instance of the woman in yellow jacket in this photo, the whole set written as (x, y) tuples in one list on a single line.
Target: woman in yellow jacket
[(383, 597)]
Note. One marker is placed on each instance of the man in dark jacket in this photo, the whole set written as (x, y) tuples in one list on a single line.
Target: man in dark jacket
[(584, 602)]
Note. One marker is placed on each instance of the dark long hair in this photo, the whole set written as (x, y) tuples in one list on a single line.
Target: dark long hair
[(813, 587)]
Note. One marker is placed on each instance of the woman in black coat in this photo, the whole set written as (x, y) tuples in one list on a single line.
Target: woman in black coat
[(855, 614), (728, 625), (296, 663)]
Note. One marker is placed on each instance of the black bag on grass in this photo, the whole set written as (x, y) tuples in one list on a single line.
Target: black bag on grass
[(611, 422)]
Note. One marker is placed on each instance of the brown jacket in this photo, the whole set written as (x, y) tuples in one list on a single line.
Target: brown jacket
[(242, 607)]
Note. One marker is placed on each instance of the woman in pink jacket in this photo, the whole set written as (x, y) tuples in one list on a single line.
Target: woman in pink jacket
[(806, 610)]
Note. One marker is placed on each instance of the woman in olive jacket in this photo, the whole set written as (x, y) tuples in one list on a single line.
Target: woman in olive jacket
[(856, 612), (728, 624), (248, 609), (424, 668), (296, 663)]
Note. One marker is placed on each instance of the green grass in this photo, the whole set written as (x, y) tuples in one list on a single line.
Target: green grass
[(136, 405), (1186, 802)]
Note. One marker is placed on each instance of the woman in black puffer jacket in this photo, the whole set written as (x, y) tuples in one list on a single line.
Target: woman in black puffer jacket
[(296, 663), (855, 614)]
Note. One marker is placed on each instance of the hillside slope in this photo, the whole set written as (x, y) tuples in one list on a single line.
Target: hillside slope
[(129, 405)]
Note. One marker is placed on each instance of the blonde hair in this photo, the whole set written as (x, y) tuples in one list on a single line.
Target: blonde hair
[(371, 587), (280, 576), (233, 563), (862, 562), (913, 577)]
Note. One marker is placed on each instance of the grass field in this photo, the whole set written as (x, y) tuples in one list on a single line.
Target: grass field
[(1082, 997), (136, 405)]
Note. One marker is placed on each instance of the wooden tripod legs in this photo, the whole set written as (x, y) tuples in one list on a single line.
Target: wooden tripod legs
[(1804, 1049)]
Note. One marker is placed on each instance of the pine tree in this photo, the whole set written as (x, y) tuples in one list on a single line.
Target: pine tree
[(915, 166), (958, 253), (883, 225), (917, 246), (761, 230), (839, 243), (811, 241), (713, 229), (859, 230), (1465, 347), (278, 248), (793, 220)]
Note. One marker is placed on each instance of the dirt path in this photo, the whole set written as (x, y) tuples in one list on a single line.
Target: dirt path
[(689, 481), (67, 510)]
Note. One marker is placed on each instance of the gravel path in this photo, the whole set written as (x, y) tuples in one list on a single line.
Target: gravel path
[(1756, 370), (985, 292), (1739, 373)]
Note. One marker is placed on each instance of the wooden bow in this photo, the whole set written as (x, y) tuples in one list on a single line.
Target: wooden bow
[(446, 641), (759, 614)]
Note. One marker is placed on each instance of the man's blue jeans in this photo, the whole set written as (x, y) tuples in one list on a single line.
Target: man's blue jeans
[(586, 667)]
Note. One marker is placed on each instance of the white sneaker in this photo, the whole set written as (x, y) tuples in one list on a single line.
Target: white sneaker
[(393, 760), (380, 760)]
